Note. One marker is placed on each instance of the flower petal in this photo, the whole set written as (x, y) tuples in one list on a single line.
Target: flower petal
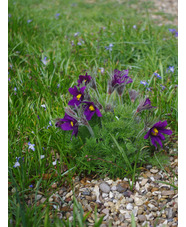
[(166, 131), (147, 135), (160, 124), (98, 113), (66, 126), (162, 137), (159, 141), (153, 140)]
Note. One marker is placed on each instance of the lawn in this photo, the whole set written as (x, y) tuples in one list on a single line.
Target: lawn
[(51, 43)]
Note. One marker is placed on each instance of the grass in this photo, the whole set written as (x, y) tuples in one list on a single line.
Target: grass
[(147, 49)]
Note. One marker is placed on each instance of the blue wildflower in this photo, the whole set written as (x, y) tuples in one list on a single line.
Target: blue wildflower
[(144, 83), (45, 61), (29, 21), (157, 75), (58, 85), (15, 89), (31, 186), (134, 26), (50, 124), (171, 69), (79, 44), (109, 47), (57, 15), (31, 146), (162, 87), (43, 105), (76, 34)]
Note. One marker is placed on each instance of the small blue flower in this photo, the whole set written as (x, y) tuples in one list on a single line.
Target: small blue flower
[(162, 87), (45, 61), (50, 124), (15, 89), (31, 146), (172, 30), (57, 15), (157, 75), (29, 21), (76, 34), (31, 186), (79, 44), (58, 85), (43, 105), (144, 83), (171, 69), (42, 156), (134, 26), (109, 47), (17, 164), (9, 15)]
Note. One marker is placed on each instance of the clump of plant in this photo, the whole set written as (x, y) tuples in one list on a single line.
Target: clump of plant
[(109, 126)]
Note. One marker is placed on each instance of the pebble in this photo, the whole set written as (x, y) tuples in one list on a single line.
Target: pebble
[(38, 197), (138, 201), (144, 181), (142, 218), (104, 187), (129, 206)]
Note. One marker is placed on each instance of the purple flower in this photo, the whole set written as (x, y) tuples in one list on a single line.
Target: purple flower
[(78, 96), (144, 105), (157, 75), (85, 78), (134, 26), (118, 80), (90, 110), (38, 117), (156, 131), (58, 85), (31, 186), (68, 123), (144, 83), (15, 89), (79, 44)]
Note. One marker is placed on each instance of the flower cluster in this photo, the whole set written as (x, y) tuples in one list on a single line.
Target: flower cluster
[(82, 107)]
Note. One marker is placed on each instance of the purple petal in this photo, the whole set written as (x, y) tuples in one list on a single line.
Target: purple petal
[(159, 141), (162, 137), (66, 126), (166, 131), (98, 113), (153, 140), (82, 89), (160, 124), (147, 135), (74, 102), (73, 91), (89, 115)]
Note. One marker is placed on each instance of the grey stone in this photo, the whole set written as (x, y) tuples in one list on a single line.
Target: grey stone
[(142, 218), (119, 188), (104, 187)]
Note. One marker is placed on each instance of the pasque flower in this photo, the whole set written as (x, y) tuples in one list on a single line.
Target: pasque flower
[(133, 95), (118, 79), (78, 96), (156, 131), (90, 110), (68, 123), (85, 78), (144, 105)]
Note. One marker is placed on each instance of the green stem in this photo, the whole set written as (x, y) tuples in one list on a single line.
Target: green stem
[(90, 130)]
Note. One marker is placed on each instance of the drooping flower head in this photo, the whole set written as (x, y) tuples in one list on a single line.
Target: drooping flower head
[(133, 94), (156, 131), (68, 123), (86, 79), (78, 96), (144, 105), (118, 79), (90, 110)]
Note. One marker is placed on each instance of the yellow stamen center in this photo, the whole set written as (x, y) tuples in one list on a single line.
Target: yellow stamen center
[(91, 108), (85, 81), (78, 97), (154, 132), (72, 123)]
